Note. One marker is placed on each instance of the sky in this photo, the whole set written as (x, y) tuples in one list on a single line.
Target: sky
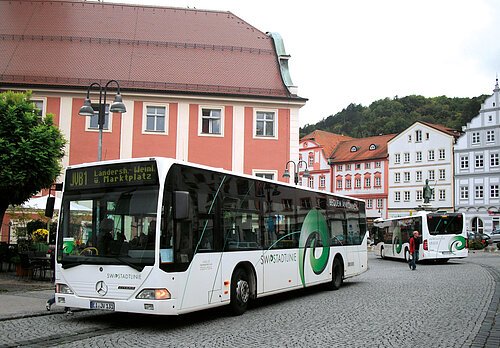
[(359, 51)]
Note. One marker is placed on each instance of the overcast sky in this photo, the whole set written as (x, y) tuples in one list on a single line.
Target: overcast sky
[(358, 51)]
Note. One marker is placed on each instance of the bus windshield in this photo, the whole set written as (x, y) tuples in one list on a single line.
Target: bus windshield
[(112, 226), (445, 223)]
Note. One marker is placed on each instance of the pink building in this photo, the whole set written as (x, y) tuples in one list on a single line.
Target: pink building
[(315, 149), (201, 86), (360, 169)]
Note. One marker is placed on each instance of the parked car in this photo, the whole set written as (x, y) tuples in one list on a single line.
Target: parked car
[(480, 237), (495, 236)]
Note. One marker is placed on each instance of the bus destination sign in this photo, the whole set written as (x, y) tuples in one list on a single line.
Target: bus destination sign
[(121, 174)]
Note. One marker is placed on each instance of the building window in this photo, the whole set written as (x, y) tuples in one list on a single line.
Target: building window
[(397, 158), (442, 195), (427, 136), (322, 181), (377, 164), (442, 174), (310, 182), (368, 182), (479, 191), (418, 175), (397, 177), (211, 121), (476, 138), (357, 183), (418, 156), (367, 165), (369, 204), (407, 196), (442, 154), (490, 117), (464, 192), (380, 203), (339, 167), (266, 174), (407, 157), (358, 166), (431, 175), (378, 182), (494, 193), (430, 155), (311, 159), (418, 136), (347, 167), (95, 118), (40, 106), (339, 184), (464, 162), (494, 160), (407, 176), (479, 161), (490, 136), (348, 183), (409, 138), (419, 195), (265, 124), (397, 196), (155, 119)]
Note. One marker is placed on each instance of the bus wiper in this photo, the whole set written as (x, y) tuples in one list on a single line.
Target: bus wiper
[(131, 264)]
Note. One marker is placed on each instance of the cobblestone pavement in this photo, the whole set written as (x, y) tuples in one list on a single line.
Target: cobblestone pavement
[(438, 305)]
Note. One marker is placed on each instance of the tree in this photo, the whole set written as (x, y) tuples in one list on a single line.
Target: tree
[(31, 148)]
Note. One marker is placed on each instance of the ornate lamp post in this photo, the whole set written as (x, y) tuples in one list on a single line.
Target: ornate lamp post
[(87, 110), (286, 174)]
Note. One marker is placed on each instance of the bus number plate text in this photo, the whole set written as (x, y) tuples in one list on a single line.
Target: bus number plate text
[(108, 306)]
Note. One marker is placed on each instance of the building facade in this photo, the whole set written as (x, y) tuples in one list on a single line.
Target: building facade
[(477, 168), (315, 149), (200, 86), (359, 168), (421, 153)]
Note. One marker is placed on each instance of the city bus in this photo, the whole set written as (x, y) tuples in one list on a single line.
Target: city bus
[(161, 236), (443, 236)]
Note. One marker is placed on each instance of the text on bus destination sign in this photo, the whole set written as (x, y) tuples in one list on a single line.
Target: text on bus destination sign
[(123, 174)]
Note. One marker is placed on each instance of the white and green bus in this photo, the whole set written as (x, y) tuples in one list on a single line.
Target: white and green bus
[(161, 236), (443, 236)]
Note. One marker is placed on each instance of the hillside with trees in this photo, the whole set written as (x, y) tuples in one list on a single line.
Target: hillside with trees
[(387, 115)]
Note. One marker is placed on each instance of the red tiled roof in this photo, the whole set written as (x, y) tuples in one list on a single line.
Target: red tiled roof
[(326, 139), (72, 43), (343, 152)]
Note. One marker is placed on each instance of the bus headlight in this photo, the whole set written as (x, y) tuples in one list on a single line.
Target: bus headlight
[(154, 294), (63, 289)]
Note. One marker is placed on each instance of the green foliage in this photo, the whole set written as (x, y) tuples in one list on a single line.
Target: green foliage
[(387, 116), (31, 148), (476, 245)]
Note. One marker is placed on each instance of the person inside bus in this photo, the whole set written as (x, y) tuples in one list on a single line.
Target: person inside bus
[(105, 236), (414, 248)]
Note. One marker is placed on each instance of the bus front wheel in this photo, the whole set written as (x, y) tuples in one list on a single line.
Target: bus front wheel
[(382, 253), (407, 255), (240, 292)]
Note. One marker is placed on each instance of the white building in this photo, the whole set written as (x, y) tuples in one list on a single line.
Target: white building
[(477, 168), (422, 151)]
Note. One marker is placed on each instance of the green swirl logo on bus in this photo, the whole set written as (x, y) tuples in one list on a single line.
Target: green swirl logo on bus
[(456, 243), (397, 241), (314, 229)]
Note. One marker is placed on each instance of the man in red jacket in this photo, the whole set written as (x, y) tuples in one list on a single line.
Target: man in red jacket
[(414, 248)]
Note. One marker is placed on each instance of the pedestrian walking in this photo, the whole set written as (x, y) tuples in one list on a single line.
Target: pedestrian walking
[(414, 248)]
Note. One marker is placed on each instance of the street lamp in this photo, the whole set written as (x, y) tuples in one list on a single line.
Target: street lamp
[(286, 174), (88, 110)]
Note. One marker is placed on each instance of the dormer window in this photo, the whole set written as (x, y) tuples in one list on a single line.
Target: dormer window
[(354, 149), (372, 147)]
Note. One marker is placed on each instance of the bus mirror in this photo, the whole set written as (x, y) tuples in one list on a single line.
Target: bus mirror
[(181, 205), (49, 207)]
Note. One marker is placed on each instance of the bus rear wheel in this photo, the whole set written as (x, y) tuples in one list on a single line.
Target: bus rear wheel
[(382, 253), (240, 292), (337, 274)]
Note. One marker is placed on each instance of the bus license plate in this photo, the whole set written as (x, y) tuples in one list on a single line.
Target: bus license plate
[(108, 306)]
